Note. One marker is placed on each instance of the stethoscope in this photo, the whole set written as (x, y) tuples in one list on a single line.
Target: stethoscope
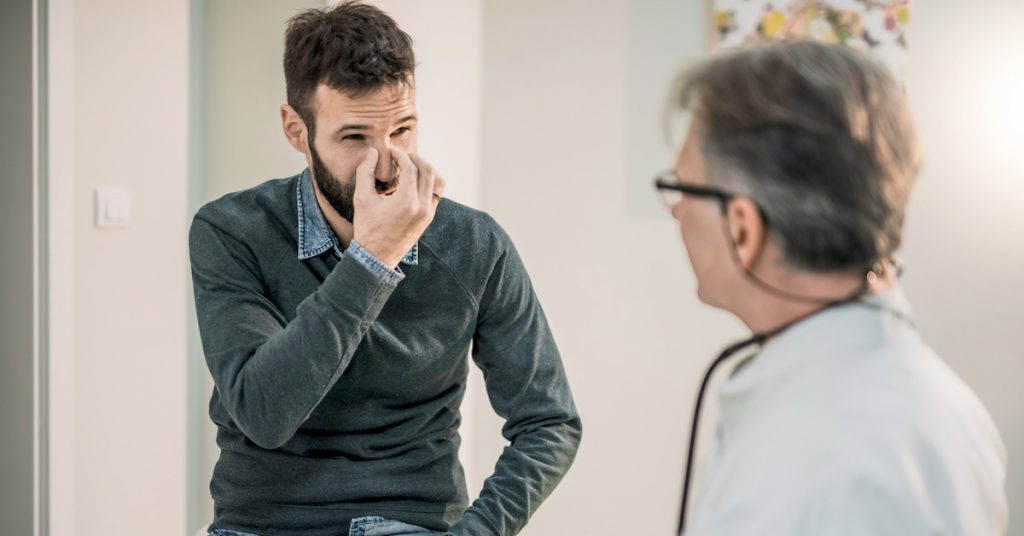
[(758, 339)]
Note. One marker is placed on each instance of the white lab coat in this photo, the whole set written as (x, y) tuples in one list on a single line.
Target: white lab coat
[(847, 424)]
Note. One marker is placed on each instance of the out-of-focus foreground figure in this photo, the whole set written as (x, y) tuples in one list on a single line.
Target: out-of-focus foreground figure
[(790, 192)]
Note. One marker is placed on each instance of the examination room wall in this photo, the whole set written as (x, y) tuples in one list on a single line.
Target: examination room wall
[(545, 114), (117, 99)]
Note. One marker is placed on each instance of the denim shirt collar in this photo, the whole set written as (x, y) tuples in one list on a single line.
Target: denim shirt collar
[(315, 236)]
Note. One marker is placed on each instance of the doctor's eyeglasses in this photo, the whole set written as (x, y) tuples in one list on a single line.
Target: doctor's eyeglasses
[(673, 190)]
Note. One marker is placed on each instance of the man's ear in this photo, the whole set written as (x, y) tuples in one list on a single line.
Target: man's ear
[(294, 128), (747, 229)]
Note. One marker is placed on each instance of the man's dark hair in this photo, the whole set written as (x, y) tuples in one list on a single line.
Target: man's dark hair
[(821, 137), (353, 47)]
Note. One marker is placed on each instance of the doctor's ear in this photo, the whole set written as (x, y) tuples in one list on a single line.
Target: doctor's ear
[(294, 128), (747, 228)]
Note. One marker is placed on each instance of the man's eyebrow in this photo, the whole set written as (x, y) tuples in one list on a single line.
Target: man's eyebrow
[(351, 127), (359, 127)]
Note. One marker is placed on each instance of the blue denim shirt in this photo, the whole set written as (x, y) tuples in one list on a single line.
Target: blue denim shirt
[(316, 237)]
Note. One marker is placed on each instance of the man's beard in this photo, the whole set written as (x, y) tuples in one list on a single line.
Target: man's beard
[(338, 194)]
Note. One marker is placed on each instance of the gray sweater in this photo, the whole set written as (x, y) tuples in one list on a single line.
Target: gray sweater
[(338, 390)]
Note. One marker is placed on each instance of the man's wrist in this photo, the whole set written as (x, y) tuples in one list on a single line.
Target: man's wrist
[(388, 273), (387, 256)]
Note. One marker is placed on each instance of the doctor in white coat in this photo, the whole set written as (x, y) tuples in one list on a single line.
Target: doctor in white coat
[(790, 192)]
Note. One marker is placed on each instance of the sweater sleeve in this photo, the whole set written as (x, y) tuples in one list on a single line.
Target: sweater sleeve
[(528, 388), (270, 373)]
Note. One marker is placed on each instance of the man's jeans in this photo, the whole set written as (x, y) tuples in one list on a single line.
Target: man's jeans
[(363, 526), (378, 526)]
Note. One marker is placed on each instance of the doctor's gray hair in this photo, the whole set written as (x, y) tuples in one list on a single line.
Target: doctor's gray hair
[(820, 137)]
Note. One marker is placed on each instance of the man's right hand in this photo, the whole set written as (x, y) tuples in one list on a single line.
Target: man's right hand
[(389, 225)]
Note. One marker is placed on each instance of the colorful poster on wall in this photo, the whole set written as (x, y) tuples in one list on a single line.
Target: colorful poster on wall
[(878, 27)]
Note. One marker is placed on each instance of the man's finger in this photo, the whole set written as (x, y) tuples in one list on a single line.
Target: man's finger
[(365, 183), (407, 172), (439, 186), (427, 177)]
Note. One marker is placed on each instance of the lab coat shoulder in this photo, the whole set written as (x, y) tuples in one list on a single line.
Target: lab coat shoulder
[(895, 445)]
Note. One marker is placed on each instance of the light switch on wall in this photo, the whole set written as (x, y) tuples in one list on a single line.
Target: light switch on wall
[(113, 207)]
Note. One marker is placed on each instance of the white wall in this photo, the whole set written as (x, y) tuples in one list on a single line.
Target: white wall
[(243, 87), (118, 102), (61, 313), (565, 143), (965, 233)]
